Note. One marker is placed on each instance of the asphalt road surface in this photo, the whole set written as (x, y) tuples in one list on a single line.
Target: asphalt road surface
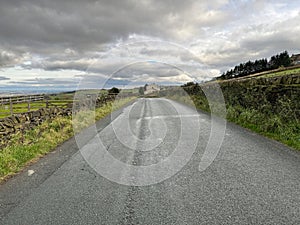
[(123, 174)]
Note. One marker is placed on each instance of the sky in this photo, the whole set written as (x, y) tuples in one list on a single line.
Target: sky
[(68, 44)]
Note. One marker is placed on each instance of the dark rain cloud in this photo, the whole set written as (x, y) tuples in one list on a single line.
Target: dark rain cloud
[(53, 24)]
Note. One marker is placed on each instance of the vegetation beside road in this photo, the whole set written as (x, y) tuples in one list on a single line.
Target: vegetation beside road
[(270, 107), (26, 147)]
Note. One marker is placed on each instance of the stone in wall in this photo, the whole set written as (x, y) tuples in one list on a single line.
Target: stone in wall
[(28, 120)]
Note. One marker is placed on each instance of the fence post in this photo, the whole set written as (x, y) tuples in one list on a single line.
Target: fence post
[(11, 106), (28, 104)]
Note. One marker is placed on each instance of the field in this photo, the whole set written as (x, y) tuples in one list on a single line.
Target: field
[(21, 104), (282, 73), (62, 100), (23, 107)]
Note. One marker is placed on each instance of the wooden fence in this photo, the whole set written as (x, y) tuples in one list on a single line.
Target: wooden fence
[(10, 105)]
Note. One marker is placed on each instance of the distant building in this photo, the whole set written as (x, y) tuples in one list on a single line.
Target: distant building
[(151, 88), (295, 59)]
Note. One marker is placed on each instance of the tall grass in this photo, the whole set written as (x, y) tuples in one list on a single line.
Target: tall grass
[(254, 110), (273, 126), (32, 144)]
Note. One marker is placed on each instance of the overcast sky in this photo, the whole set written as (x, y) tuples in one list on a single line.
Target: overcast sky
[(55, 43)]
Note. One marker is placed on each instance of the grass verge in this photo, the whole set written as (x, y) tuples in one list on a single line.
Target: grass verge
[(29, 146), (270, 125)]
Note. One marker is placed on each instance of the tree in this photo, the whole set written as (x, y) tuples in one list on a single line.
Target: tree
[(284, 59), (113, 90), (145, 87), (188, 84), (141, 90), (280, 60)]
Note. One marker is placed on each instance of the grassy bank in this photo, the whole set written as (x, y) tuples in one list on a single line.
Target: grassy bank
[(268, 107), (29, 146), (282, 73), (271, 125)]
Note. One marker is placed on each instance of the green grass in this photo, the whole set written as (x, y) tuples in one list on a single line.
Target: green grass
[(267, 74), (23, 107), (133, 90), (271, 125), (59, 100), (19, 108), (62, 96), (32, 144), (281, 73)]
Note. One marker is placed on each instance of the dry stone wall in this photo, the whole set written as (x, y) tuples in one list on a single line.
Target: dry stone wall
[(28, 120)]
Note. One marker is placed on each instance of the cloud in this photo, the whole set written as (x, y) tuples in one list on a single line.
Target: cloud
[(44, 81), (4, 78), (271, 38), (8, 58), (200, 38), (48, 26)]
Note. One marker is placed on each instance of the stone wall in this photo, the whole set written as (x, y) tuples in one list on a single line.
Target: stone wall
[(28, 120), (256, 92), (278, 95), (276, 80)]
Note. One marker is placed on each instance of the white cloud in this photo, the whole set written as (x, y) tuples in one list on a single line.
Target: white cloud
[(61, 39)]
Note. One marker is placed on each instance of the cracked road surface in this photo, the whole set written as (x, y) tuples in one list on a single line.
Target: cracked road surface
[(253, 180)]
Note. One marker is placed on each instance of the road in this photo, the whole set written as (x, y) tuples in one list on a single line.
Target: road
[(253, 180)]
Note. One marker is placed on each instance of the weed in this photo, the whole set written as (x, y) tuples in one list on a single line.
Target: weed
[(42, 139)]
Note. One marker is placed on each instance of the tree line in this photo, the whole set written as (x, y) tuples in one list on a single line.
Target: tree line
[(280, 60)]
